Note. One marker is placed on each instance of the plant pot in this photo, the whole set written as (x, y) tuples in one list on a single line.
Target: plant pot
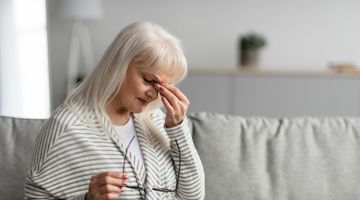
[(250, 58)]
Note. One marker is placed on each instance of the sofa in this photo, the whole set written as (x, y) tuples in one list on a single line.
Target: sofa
[(17, 137), (250, 158)]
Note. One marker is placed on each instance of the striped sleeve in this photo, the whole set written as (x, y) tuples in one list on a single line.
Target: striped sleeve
[(34, 191), (38, 181), (191, 180)]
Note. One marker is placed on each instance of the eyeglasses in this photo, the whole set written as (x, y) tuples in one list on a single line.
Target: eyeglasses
[(156, 189)]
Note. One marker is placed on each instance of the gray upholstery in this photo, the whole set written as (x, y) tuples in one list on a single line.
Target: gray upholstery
[(243, 158), (16, 144), (278, 159)]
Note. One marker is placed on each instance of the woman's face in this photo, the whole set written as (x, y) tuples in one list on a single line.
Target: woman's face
[(137, 89)]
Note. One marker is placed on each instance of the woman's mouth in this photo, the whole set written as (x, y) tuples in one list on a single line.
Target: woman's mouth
[(143, 101)]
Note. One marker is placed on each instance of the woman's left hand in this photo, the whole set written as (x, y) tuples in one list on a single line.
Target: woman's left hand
[(176, 103)]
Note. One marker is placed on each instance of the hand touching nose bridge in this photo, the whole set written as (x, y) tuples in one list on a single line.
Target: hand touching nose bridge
[(175, 102), (156, 84)]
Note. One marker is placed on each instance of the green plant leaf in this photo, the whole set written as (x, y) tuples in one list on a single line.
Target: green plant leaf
[(252, 40)]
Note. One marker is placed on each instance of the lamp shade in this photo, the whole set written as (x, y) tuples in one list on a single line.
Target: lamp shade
[(81, 9)]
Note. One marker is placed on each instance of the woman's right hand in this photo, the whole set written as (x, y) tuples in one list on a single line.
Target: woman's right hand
[(106, 185)]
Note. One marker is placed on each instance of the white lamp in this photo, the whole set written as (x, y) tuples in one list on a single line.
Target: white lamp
[(80, 12)]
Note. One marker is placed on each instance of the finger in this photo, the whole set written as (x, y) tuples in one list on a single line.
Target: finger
[(105, 189), (176, 98), (172, 118), (177, 105), (105, 184), (166, 90), (108, 180), (170, 97), (178, 93), (173, 105), (168, 106), (113, 178)]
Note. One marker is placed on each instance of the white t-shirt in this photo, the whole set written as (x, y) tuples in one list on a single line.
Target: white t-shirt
[(126, 133)]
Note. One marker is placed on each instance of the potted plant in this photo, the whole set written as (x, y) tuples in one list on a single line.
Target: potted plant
[(250, 46)]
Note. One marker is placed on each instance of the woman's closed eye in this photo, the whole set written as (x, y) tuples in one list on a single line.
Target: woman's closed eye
[(149, 81)]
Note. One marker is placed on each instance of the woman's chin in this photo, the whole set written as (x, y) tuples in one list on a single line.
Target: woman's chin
[(139, 109)]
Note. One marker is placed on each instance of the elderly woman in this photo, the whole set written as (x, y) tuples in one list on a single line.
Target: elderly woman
[(110, 140)]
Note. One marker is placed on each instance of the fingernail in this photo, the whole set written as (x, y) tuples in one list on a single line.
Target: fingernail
[(160, 87)]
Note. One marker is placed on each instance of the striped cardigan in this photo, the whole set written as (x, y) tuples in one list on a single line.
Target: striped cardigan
[(68, 152)]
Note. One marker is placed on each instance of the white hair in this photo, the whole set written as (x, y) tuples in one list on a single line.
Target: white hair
[(139, 42)]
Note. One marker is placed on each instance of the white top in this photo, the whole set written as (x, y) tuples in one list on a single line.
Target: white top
[(126, 133)]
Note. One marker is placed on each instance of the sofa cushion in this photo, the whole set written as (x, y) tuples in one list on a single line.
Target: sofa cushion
[(278, 159), (17, 139)]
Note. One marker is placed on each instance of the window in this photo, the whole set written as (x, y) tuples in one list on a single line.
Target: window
[(24, 74)]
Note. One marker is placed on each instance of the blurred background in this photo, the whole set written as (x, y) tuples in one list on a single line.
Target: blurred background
[(307, 66)]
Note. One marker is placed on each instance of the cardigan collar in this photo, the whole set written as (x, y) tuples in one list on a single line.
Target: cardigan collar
[(147, 174), (149, 146), (138, 169)]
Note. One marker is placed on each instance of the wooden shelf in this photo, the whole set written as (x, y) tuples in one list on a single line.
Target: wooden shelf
[(267, 72)]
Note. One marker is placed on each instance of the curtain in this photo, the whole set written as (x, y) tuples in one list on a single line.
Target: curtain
[(24, 72)]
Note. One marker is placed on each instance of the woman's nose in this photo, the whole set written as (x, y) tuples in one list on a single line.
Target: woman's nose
[(152, 93)]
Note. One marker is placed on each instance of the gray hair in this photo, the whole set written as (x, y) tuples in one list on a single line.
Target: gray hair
[(143, 42)]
